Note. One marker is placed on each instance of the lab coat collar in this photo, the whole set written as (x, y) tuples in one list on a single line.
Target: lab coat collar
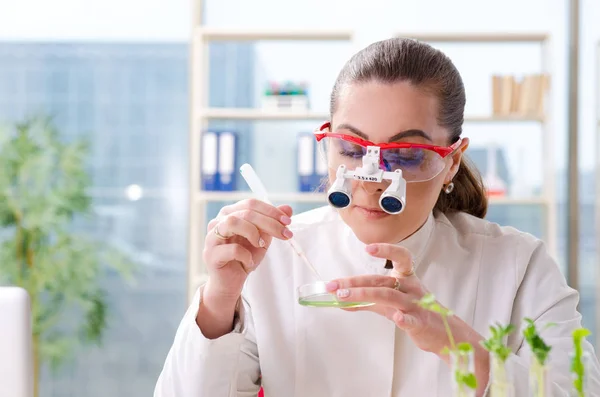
[(416, 243)]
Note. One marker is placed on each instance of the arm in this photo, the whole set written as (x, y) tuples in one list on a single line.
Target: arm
[(545, 297), (197, 366)]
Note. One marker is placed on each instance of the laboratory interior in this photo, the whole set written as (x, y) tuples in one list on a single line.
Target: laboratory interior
[(227, 198)]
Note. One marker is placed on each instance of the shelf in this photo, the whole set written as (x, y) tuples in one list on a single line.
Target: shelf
[(275, 197), (299, 197), (478, 37), (214, 34), (516, 118), (260, 114), (518, 201)]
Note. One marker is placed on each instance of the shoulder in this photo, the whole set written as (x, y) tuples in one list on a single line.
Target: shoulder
[(466, 226), (509, 261), (496, 243)]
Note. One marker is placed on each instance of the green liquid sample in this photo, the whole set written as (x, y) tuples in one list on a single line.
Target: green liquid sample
[(327, 300)]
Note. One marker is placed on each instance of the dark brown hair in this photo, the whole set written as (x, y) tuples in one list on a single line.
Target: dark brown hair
[(400, 59)]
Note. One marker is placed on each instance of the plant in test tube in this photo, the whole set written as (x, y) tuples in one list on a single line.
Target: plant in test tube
[(540, 350), (461, 355), (578, 363), (500, 384)]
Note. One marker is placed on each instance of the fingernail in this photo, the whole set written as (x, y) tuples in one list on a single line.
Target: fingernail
[(286, 220), (371, 249), (398, 317), (343, 293), (332, 286), (261, 243), (287, 233)]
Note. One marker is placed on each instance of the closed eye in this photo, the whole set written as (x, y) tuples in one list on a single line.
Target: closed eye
[(406, 157), (350, 153)]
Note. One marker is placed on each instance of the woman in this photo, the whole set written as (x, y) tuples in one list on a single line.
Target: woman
[(245, 328)]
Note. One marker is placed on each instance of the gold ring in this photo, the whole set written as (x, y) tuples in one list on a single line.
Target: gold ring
[(409, 273), (397, 284), (219, 235)]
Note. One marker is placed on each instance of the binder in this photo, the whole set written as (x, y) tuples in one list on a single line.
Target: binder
[(321, 170), (209, 161), (305, 158), (227, 161)]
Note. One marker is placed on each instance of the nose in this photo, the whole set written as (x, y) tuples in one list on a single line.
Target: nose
[(372, 187)]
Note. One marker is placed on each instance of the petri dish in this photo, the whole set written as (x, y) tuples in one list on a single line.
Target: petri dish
[(316, 295)]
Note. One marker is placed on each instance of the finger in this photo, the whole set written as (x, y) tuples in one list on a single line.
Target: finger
[(395, 315), (284, 216), (367, 280), (287, 210), (220, 255), (264, 223), (260, 207), (400, 257), (404, 320), (380, 296), (231, 226), (381, 310)]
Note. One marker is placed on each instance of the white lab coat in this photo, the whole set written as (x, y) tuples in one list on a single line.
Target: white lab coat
[(483, 272)]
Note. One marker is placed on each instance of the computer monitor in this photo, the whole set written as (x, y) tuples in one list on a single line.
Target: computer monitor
[(16, 358)]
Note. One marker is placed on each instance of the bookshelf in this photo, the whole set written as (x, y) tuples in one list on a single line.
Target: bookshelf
[(201, 114), (543, 117)]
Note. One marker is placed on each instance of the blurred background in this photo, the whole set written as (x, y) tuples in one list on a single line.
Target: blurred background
[(171, 111)]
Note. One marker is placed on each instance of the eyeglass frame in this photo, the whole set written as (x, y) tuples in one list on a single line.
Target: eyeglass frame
[(442, 151)]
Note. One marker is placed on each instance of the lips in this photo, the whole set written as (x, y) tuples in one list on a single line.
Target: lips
[(371, 213), (370, 209)]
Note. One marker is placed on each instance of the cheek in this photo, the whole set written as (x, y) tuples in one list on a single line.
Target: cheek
[(331, 175), (424, 193)]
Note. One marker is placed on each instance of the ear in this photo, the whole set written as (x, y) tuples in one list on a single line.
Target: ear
[(456, 159)]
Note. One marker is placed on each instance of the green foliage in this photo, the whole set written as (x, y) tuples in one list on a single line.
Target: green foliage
[(577, 365), (463, 378), (495, 343), (428, 302), (43, 191), (466, 378), (538, 347)]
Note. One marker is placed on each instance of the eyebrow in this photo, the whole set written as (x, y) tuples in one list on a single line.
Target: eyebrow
[(400, 135)]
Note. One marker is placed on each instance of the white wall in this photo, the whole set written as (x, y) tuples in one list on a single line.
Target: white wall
[(372, 20), (151, 20)]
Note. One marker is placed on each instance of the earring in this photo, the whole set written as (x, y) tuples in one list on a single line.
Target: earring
[(449, 188)]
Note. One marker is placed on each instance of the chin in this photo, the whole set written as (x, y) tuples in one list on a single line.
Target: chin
[(372, 227), (368, 235)]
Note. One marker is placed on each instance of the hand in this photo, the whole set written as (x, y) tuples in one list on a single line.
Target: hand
[(395, 297), (237, 241)]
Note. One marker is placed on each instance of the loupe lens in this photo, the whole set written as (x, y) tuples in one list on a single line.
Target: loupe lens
[(391, 204), (339, 199)]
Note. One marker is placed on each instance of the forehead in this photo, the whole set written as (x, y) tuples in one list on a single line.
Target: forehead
[(382, 110)]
